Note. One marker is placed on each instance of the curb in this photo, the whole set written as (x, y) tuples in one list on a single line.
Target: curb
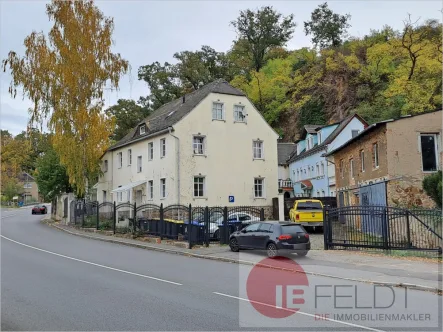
[(230, 260)]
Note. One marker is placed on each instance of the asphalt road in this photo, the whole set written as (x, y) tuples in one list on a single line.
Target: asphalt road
[(51, 280)]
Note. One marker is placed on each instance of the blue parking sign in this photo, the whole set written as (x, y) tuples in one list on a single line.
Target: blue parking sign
[(231, 199)]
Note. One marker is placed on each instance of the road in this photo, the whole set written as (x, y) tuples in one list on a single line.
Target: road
[(51, 280)]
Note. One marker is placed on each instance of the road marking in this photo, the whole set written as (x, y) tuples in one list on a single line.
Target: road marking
[(300, 312), (91, 263)]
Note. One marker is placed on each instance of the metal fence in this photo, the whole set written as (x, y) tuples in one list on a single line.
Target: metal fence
[(196, 225), (382, 227)]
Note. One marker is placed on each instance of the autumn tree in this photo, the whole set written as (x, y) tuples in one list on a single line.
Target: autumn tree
[(326, 27), (127, 114), (64, 74), (263, 30)]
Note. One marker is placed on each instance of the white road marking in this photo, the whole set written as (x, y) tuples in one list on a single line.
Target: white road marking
[(300, 312), (94, 264)]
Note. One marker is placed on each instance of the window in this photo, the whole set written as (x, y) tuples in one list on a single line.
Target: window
[(319, 137), (105, 166), (163, 148), (139, 164), (120, 159), (198, 145), (151, 189), (257, 147), (217, 111), (375, 155), (351, 168), (199, 184), (322, 193), (322, 169), (129, 157), (298, 175), (342, 168), (252, 228), (239, 113), (318, 194), (151, 151), (308, 144), (27, 185), (355, 132), (105, 194), (429, 154), (259, 188), (266, 228), (142, 129), (162, 188), (318, 169), (119, 196), (362, 160)]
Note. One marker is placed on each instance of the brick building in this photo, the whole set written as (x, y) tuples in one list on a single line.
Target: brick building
[(386, 163)]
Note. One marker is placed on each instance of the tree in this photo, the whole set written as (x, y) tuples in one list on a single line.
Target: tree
[(326, 27), (433, 186), (263, 30), (64, 74), (127, 115), (15, 157), (10, 187), (51, 176)]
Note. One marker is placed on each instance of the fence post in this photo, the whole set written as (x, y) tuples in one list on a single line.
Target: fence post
[(223, 236), (262, 214), (115, 217), (207, 226), (160, 226), (134, 219), (386, 228), (98, 216), (408, 230), (190, 226), (83, 212), (325, 228)]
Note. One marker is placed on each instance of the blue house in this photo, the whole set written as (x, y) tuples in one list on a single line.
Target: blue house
[(311, 174)]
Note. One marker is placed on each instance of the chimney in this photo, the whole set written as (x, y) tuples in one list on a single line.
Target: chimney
[(184, 98)]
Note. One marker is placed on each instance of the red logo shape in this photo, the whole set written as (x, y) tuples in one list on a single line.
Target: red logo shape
[(274, 289)]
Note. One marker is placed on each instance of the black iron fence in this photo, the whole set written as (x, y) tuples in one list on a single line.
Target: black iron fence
[(197, 225), (382, 227)]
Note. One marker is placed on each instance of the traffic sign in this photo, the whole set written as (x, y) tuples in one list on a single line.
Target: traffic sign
[(231, 199)]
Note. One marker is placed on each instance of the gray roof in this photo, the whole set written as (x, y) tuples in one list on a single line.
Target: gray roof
[(169, 114), (312, 129), (284, 150), (323, 146)]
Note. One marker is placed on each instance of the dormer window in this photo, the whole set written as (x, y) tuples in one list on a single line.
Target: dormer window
[(319, 137), (142, 129)]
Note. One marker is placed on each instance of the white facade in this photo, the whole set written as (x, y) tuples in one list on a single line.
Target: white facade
[(220, 164)]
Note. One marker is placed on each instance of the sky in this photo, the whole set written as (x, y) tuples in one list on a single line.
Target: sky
[(147, 31)]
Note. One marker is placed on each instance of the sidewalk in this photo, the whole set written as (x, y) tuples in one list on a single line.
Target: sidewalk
[(412, 272)]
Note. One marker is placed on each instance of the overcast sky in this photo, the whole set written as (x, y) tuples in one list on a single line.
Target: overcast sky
[(148, 31)]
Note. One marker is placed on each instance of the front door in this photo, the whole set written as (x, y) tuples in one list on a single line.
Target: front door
[(138, 197)]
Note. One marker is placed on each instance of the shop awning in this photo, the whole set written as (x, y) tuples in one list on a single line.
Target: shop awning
[(128, 186), (306, 184)]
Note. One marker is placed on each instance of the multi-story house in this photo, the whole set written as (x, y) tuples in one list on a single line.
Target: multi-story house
[(385, 164), (210, 147), (311, 174), (284, 181), (30, 191)]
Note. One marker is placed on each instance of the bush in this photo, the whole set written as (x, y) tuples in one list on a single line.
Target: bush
[(432, 185)]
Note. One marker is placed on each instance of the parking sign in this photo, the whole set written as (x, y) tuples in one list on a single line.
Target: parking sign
[(231, 199)]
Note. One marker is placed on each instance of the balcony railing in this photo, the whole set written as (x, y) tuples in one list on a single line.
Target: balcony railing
[(285, 184)]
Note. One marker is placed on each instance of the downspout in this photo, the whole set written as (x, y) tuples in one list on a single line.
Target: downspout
[(178, 164)]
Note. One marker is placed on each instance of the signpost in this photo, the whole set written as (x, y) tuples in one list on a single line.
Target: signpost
[(231, 199)]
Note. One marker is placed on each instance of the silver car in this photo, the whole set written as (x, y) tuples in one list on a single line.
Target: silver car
[(244, 218)]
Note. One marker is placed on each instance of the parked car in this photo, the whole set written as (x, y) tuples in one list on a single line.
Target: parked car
[(276, 237), (307, 212), (39, 209), (235, 217)]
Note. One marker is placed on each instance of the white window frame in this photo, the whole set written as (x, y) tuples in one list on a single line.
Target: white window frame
[(105, 166), (216, 118), (351, 166), (342, 168), (436, 147), (151, 190), (261, 149), (150, 151), (162, 147), (237, 112), (129, 157), (119, 196), (319, 137), (323, 193), (298, 175), (139, 164), (262, 189), (195, 145), (322, 169), (203, 193), (362, 160), (105, 195), (163, 188), (120, 159), (142, 129), (375, 155), (317, 169)]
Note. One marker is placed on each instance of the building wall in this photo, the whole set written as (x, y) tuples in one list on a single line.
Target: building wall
[(346, 134), (283, 172), (352, 151), (405, 162), (30, 189), (228, 165)]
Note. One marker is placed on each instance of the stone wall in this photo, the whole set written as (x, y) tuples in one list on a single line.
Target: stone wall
[(408, 193)]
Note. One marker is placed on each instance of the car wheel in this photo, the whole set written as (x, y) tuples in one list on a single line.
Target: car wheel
[(271, 250), (233, 244), (32, 212), (217, 235), (302, 253)]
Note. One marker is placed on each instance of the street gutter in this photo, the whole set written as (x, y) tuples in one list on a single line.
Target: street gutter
[(436, 290)]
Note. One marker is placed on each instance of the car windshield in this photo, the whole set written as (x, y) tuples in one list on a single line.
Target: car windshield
[(309, 206), (292, 229)]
